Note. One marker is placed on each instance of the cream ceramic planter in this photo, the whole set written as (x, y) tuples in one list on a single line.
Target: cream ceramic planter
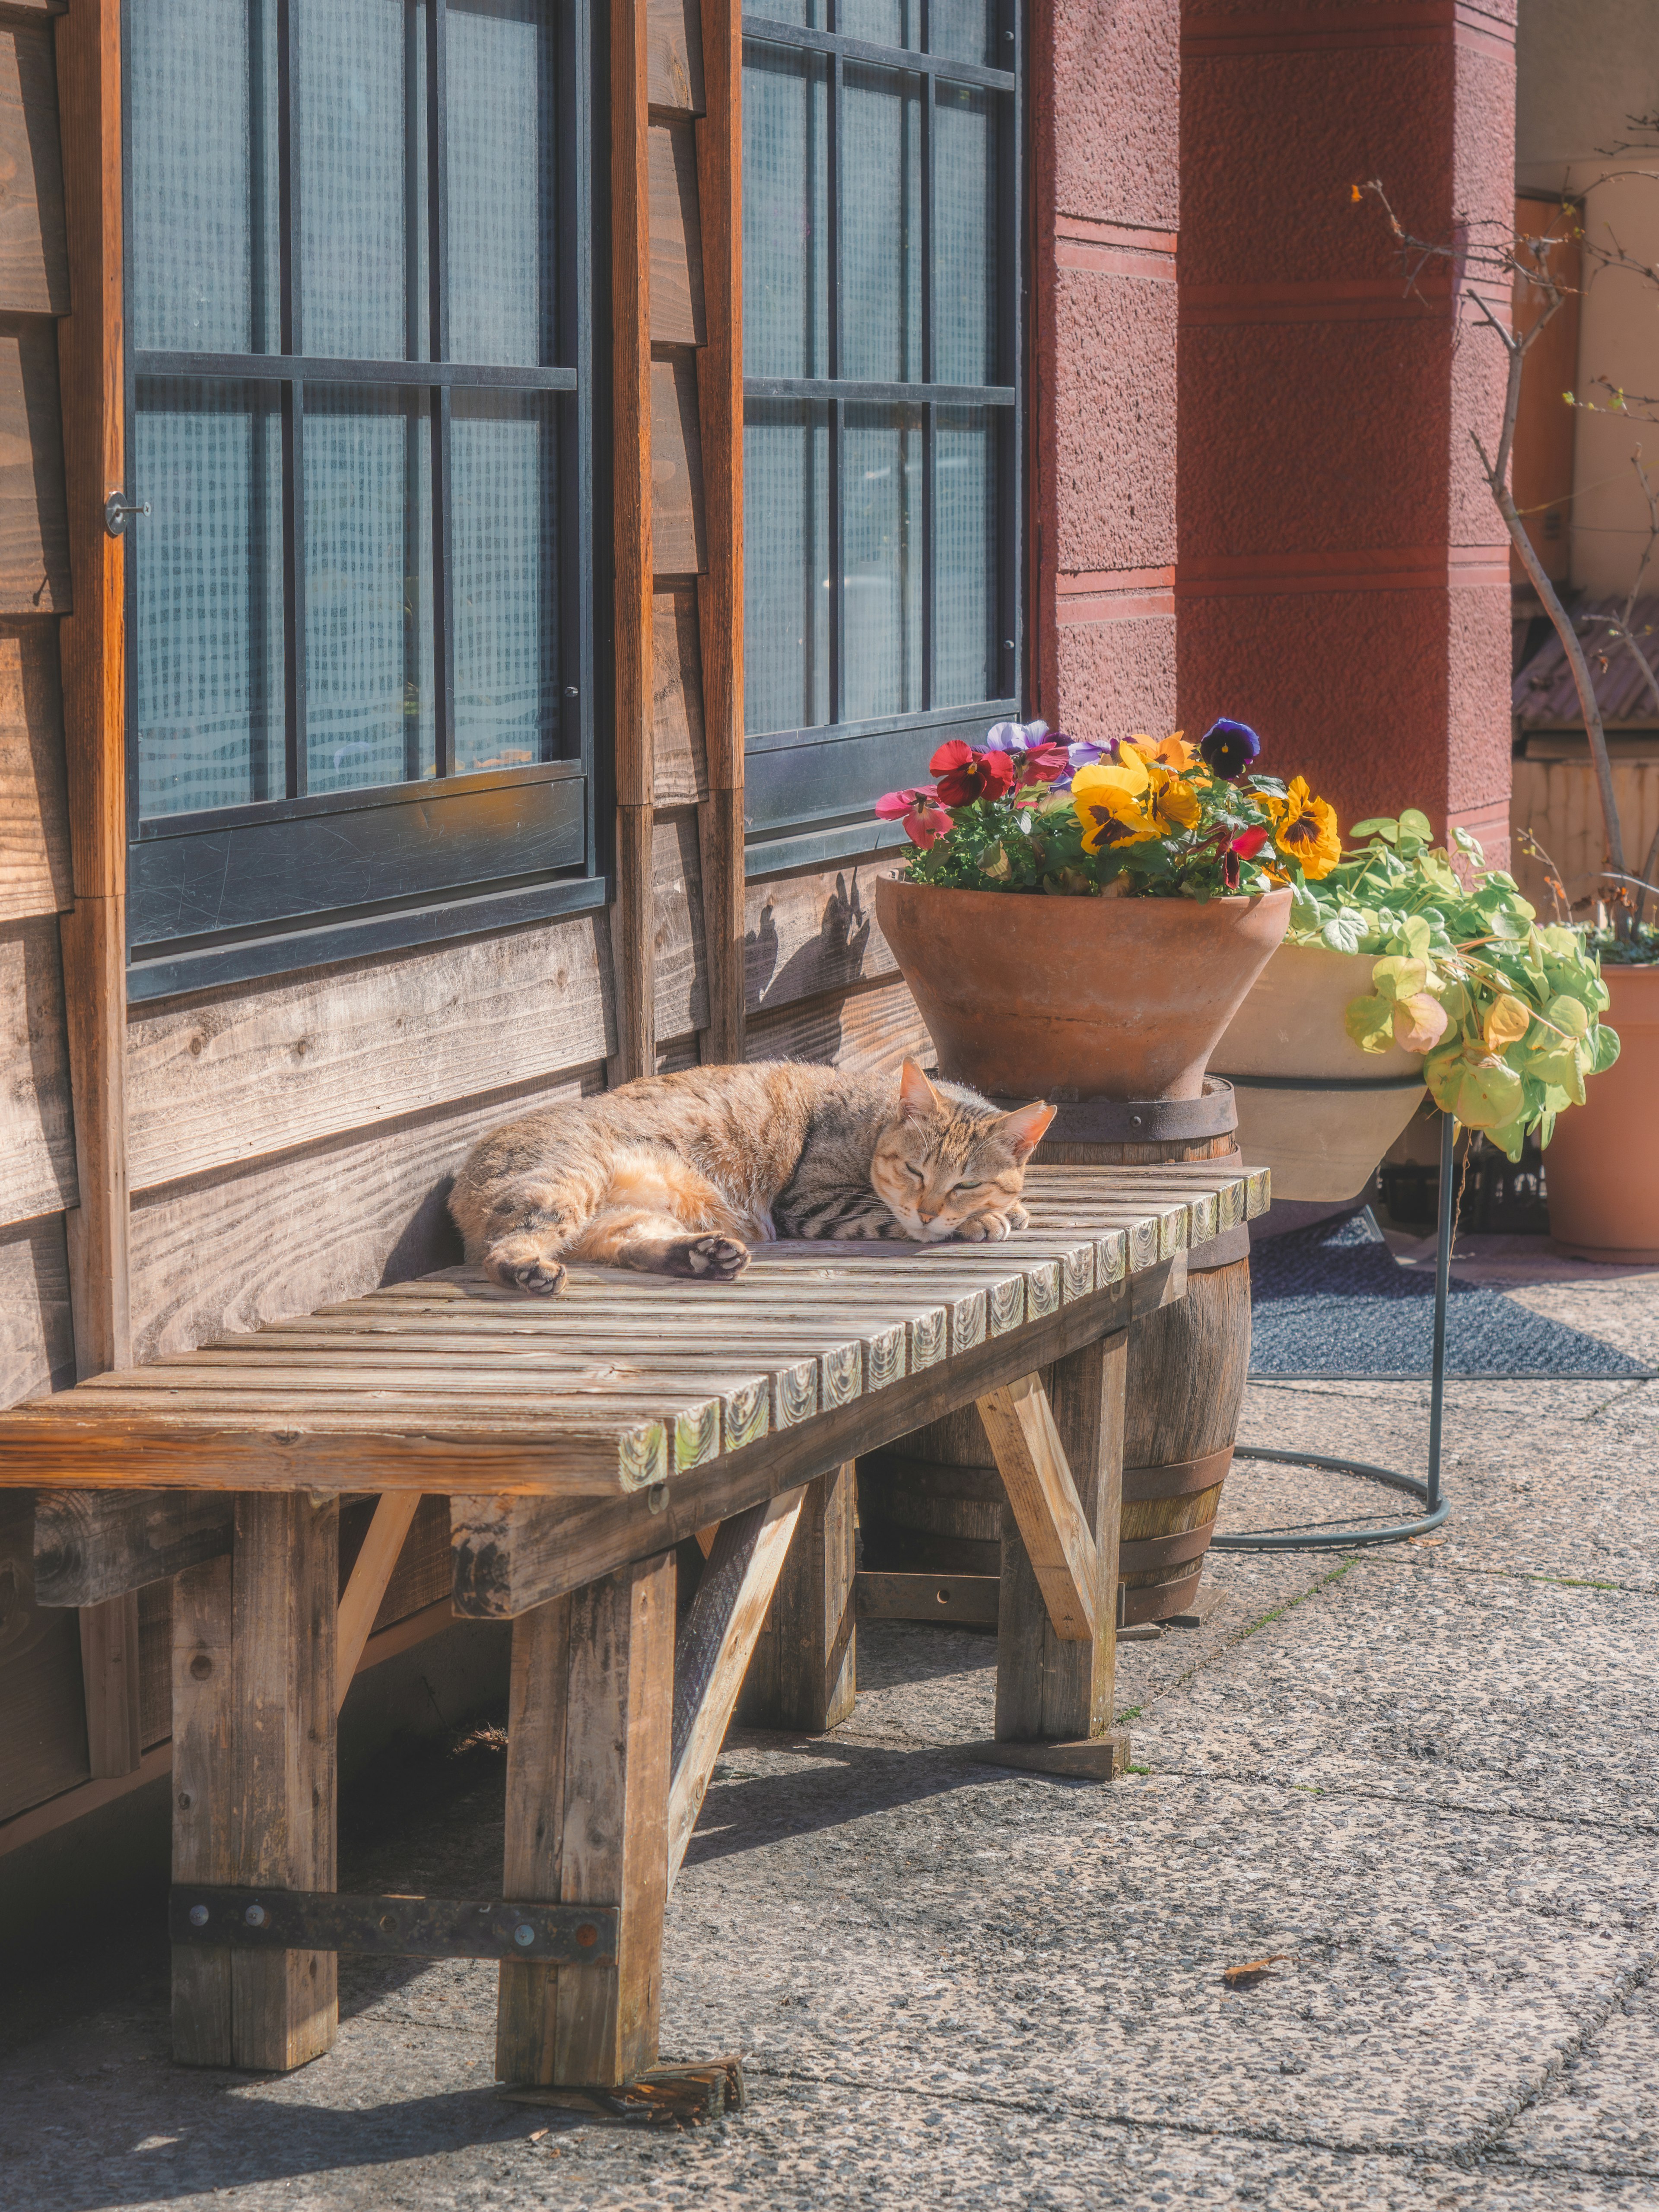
[(1320, 1143)]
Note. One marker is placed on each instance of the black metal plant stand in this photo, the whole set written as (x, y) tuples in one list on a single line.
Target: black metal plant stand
[(1436, 1508)]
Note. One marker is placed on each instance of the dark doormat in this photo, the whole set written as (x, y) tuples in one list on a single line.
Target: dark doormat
[(1331, 1304)]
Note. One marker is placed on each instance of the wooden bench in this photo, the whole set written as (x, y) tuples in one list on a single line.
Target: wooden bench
[(581, 1441)]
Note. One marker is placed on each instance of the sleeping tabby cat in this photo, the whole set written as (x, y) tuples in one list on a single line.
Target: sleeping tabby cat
[(679, 1175)]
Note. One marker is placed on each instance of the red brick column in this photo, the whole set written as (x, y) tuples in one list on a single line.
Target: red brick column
[(1105, 114), (1343, 581)]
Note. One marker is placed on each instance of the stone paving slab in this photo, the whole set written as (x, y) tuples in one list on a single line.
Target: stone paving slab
[(1604, 2111)]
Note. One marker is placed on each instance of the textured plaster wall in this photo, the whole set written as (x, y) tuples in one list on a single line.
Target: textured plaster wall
[(1341, 577), (1583, 69)]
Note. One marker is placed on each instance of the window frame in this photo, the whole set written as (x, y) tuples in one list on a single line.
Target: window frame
[(425, 851), (799, 782)]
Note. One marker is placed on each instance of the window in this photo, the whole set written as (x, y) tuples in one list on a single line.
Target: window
[(360, 706), (881, 358)]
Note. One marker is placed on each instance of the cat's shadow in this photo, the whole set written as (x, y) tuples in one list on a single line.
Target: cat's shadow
[(834, 957)]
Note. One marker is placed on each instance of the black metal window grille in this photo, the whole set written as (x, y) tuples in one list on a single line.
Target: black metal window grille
[(359, 403), (882, 166)]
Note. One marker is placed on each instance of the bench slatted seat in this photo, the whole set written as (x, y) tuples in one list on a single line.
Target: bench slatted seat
[(581, 1441)]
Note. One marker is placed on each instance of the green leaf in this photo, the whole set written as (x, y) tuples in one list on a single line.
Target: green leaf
[(1345, 931), (1606, 1048), (1570, 1014), (1561, 1071), (1370, 1023), (1465, 843), (1397, 978), (1380, 825), (1413, 825), (1485, 1096)]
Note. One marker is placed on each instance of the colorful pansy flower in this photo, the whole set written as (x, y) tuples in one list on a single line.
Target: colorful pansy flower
[(1228, 748), (1014, 737), (1304, 829), (1172, 751), (965, 775), (1048, 761), (1085, 754), (925, 820), (1108, 799), (1175, 803), (1249, 844)]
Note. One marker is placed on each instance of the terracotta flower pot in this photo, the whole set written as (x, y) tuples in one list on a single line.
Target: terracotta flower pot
[(1602, 1166), (1320, 1144), (1077, 998)]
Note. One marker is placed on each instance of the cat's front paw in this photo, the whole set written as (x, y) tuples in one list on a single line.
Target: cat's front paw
[(541, 1278), (992, 1228), (712, 1259)]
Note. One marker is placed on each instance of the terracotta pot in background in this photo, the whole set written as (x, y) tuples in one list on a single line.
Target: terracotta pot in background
[(1320, 1144), (1077, 998), (1602, 1166)]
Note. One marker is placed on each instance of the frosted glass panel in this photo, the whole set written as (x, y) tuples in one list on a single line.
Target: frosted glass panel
[(786, 474), (368, 587), (881, 227), (966, 643), (883, 22), (363, 178), (208, 638), (882, 493), (503, 457), (503, 165), (785, 269), (202, 84), (965, 349), (967, 31)]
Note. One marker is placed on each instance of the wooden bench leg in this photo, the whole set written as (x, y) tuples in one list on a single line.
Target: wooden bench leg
[(589, 1731), (253, 1774), (1049, 1690), (804, 1673)]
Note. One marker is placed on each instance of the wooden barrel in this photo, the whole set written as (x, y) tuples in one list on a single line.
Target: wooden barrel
[(932, 1505)]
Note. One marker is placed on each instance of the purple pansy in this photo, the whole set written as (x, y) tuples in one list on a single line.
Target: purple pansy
[(1014, 737), (1227, 748), (1085, 754)]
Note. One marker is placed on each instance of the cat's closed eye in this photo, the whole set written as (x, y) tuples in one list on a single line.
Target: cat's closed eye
[(910, 1169), (956, 1186)]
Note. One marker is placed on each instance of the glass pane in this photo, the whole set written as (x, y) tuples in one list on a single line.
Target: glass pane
[(966, 30), (966, 644), (208, 638), (882, 493), (368, 587), (503, 298), (363, 178), (786, 567), (965, 349), (785, 274), (881, 227), (203, 85), (883, 22), (503, 463)]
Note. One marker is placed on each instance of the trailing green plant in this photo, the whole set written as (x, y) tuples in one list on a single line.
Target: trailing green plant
[(1504, 1012)]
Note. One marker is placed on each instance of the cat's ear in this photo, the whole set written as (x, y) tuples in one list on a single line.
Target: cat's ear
[(1023, 1127), (918, 1100)]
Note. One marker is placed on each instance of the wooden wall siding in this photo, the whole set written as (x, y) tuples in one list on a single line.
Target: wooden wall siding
[(681, 979), (43, 1732), (34, 854), (285, 1235), (33, 251), (1556, 800), (810, 931), (680, 765), (34, 557), (37, 1338), (677, 301), (673, 55), (869, 1029), (677, 510), (37, 1155), (236, 1075)]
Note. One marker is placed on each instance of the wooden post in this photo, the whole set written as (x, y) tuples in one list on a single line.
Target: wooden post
[(804, 1673), (589, 1730), (109, 1675), (1050, 1690), (719, 591), (366, 1585), (253, 1773)]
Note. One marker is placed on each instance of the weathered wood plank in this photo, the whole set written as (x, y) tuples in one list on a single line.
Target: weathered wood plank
[(676, 454), (92, 937), (33, 248), (37, 1336), (34, 546), (680, 981), (866, 1030), (803, 1674), (1043, 1497), (633, 945), (673, 55), (90, 1545), (37, 1158), (203, 1815), (714, 1647), (366, 1587), (677, 301), (35, 855), (238, 1074), (720, 830), (812, 932), (588, 1751), (43, 1740), (286, 1235), (110, 1684), (680, 767)]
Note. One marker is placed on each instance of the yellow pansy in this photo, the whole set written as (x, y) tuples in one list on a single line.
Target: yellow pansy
[(1108, 796), (1172, 751), (1305, 829), (1174, 802)]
